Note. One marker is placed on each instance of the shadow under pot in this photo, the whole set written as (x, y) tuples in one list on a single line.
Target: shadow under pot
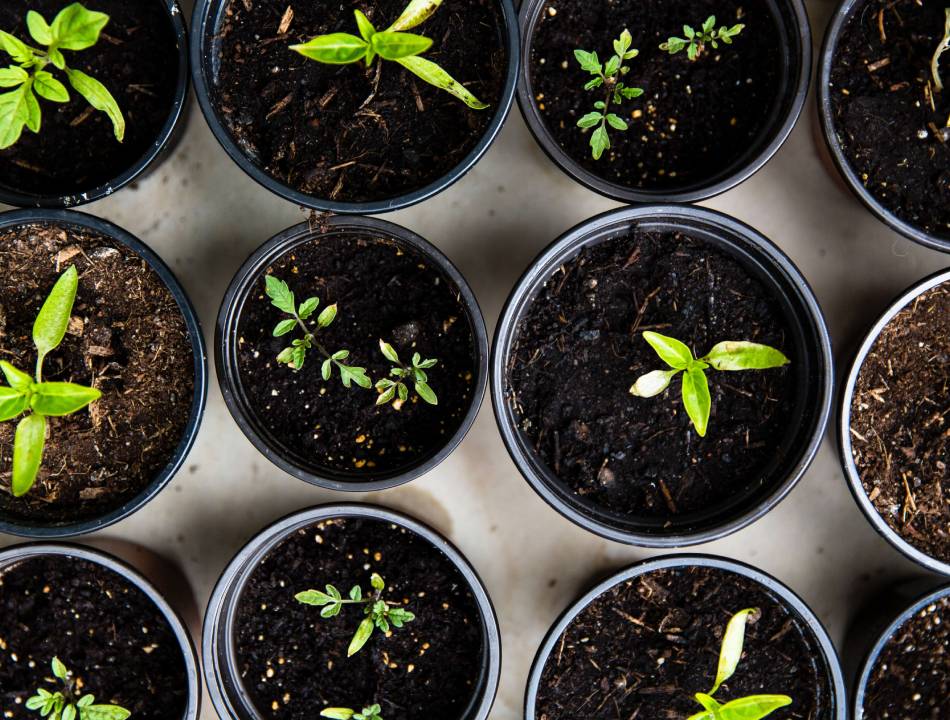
[(884, 118), (351, 606), (77, 146), (579, 336), (894, 428), (666, 126), (332, 131), (648, 640), (115, 638), (353, 355), (85, 303)]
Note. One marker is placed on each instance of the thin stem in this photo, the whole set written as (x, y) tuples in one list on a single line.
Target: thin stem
[(313, 338), (39, 367)]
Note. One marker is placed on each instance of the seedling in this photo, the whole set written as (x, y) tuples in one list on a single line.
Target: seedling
[(724, 356), (609, 76), (74, 28), (696, 40), (394, 44), (68, 704), (752, 707), (39, 399), (294, 356), (369, 713), (379, 613), (396, 391), (941, 49)]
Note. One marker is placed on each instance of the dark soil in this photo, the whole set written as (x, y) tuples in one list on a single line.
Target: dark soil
[(344, 132), (580, 348), (293, 662), (900, 423), (383, 290), (127, 338), (136, 58), (695, 119), (645, 647), (911, 680), (889, 121), (108, 633)]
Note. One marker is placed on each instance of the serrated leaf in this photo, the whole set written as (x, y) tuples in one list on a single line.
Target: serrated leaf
[(51, 322), (599, 142), (354, 375), (76, 28), (308, 307), (280, 294), (431, 73), (362, 636), (588, 61), (334, 49), (97, 95), (57, 399), (298, 357), (697, 400)]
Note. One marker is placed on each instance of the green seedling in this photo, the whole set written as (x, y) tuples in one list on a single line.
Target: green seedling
[(696, 40), (393, 44), (724, 356), (68, 704), (74, 28), (369, 713), (39, 399), (941, 49), (396, 390)]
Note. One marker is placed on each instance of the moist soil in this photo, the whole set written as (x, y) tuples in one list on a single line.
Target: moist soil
[(900, 423), (911, 679), (383, 291), (348, 133), (107, 632), (136, 58), (293, 662), (889, 121), (645, 647), (695, 119), (580, 348), (127, 338)]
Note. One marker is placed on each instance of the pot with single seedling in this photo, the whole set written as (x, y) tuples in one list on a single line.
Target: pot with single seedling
[(350, 612), (884, 104), (360, 107), (688, 636), (352, 353), (90, 96), (103, 374), (666, 100), (662, 376)]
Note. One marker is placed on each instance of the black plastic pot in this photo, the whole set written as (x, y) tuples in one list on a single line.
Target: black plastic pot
[(826, 114), (88, 222), (26, 551), (844, 427), (207, 18), (827, 663), (229, 377), (811, 342), (797, 59), (222, 673), (157, 151)]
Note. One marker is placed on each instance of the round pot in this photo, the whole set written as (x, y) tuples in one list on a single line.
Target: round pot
[(160, 148), (88, 222), (222, 673), (19, 553), (845, 451), (207, 18), (827, 661), (826, 115), (764, 261), (229, 377), (796, 75)]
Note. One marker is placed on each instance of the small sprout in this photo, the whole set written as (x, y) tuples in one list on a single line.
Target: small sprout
[(67, 704), (609, 76), (369, 713), (393, 390), (394, 44), (941, 49), (724, 356), (695, 41), (74, 28), (379, 613), (37, 398)]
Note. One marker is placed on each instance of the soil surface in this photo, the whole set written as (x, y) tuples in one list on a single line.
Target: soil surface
[(127, 338), (645, 647), (695, 119), (136, 58), (900, 423), (580, 348), (293, 662), (889, 120), (347, 133), (107, 632), (911, 680), (382, 291)]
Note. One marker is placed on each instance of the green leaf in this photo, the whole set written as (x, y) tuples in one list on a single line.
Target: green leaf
[(689, 32), (338, 713), (100, 98), (105, 712), (39, 28), (595, 83), (326, 318), (59, 670), (13, 76), (356, 593), (416, 13), (588, 61), (696, 399), (327, 369), (354, 375), (754, 707), (435, 75), (331, 610), (674, 45), (653, 383), (340, 355), (613, 65), (17, 379), (35, 702), (362, 636), (377, 582), (16, 113), (308, 307), (28, 445), (387, 395), (284, 327), (425, 364), (86, 700), (49, 329), (334, 49), (710, 24), (49, 87), (389, 352), (623, 44), (22, 53), (280, 294), (671, 351), (366, 27), (56, 57), (395, 45), (298, 357), (630, 93), (76, 28), (732, 641), (693, 51), (599, 142), (69, 712), (589, 120), (57, 399), (708, 702), (314, 597), (425, 392), (616, 122), (745, 356)]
